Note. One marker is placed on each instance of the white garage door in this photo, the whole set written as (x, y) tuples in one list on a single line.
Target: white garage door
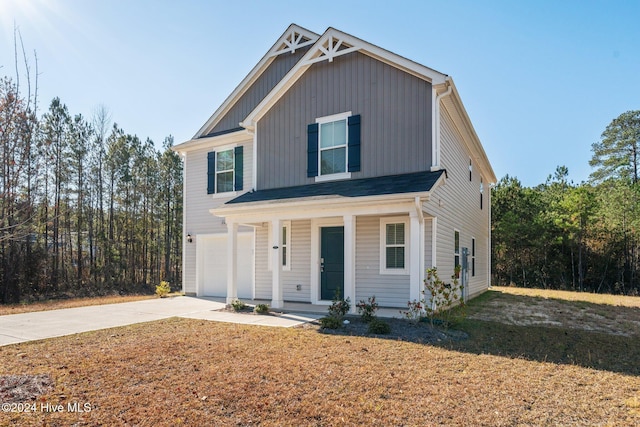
[(214, 266)]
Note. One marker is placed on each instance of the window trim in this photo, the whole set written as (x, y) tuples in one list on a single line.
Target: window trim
[(383, 245), (286, 243), (232, 170), (329, 119)]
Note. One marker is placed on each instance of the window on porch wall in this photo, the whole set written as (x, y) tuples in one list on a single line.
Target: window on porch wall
[(285, 246), (394, 245)]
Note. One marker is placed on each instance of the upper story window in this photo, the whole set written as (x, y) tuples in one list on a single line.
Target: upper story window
[(225, 170), (333, 147)]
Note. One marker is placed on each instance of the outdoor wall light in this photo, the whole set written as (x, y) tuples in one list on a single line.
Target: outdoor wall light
[(189, 238)]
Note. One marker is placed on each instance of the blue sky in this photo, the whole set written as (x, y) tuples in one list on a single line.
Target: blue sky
[(540, 79)]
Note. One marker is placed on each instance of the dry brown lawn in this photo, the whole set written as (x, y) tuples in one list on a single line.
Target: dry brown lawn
[(199, 373), (69, 303)]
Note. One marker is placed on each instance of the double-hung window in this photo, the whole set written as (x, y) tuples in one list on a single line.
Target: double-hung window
[(333, 147), (225, 170), (394, 248)]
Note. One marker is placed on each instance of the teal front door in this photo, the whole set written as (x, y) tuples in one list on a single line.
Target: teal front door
[(331, 262)]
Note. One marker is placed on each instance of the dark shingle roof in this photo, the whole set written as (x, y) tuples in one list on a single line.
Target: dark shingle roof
[(416, 182)]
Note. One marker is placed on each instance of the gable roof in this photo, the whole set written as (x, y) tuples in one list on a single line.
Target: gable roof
[(294, 38), (326, 47), (331, 44)]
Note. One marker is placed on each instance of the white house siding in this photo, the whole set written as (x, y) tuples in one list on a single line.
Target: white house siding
[(263, 275), (389, 290), (457, 206), (197, 203), (300, 251), (300, 272), (428, 239)]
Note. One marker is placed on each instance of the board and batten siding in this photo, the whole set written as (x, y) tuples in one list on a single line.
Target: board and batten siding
[(259, 89), (395, 109), (197, 203), (457, 206), (389, 290)]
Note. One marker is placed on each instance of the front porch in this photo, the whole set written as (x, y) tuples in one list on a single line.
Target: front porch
[(359, 238)]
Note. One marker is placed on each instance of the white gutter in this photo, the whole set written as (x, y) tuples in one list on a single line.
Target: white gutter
[(435, 139)]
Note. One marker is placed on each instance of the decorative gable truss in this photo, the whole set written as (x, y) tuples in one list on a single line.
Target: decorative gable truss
[(331, 44), (330, 47), (293, 39)]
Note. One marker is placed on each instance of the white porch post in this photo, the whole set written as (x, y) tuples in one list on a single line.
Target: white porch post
[(277, 300), (414, 256), (350, 260), (232, 261)]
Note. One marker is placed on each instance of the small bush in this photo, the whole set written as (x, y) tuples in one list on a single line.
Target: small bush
[(367, 310), (163, 289), (414, 314), (261, 309), (238, 305), (339, 307), (379, 327), (330, 322)]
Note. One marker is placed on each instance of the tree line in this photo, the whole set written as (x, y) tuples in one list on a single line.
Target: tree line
[(85, 208), (583, 237)]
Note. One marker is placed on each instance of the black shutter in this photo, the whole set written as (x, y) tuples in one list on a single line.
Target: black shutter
[(312, 150), (238, 167), (211, 172), (353, 144)]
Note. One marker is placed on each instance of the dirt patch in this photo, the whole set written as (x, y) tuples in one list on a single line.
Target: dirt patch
[(537, 310), (24, 388)]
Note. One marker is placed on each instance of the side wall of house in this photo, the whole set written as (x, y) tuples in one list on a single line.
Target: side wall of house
[(457, 206), (395, 109), (197, 203)]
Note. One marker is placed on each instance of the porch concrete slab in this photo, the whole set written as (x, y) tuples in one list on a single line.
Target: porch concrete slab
[(285, 320)]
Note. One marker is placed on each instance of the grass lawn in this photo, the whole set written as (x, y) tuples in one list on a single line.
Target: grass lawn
[(193, 372)]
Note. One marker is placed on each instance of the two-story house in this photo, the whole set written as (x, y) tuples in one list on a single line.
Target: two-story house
[(335, 165)]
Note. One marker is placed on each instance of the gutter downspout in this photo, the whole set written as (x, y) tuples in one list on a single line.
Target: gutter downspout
[(435, 143), (421, 231)]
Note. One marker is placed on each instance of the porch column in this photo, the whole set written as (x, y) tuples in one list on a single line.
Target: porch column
[(414, 256), (350, 260), (232, 261), (276, 264)]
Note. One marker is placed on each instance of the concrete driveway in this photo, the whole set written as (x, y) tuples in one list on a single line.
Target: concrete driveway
[(16, 328)]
